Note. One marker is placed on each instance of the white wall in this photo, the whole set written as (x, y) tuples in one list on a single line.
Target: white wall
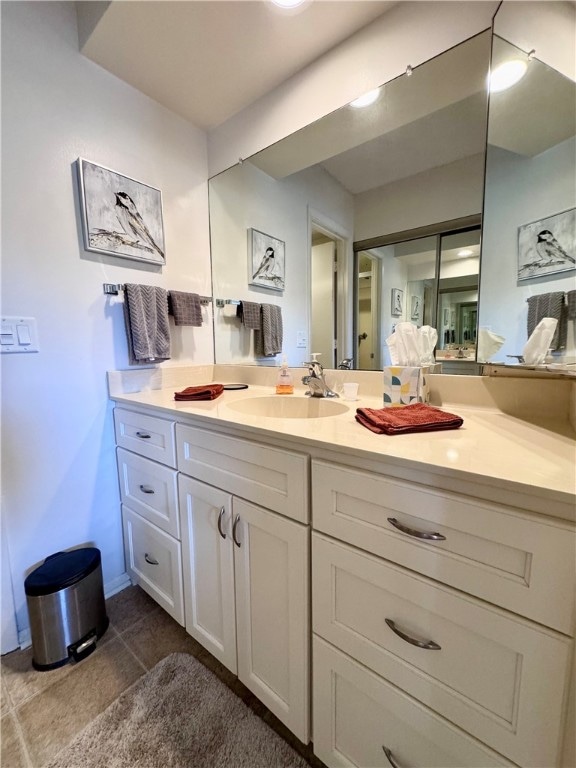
[(520, 190), (247, 197), (59, 476), (409, 33), (449, 192)]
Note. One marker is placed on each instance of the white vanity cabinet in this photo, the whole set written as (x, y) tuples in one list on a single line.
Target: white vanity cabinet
[(149, 495), (436, 633), (246, 567)]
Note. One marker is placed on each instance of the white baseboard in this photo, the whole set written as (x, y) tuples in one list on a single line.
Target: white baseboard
[(116, 585)]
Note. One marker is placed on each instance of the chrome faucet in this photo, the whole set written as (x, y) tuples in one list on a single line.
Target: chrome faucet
[(316, 381)]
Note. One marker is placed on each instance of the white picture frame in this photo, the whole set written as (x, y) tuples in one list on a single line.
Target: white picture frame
[(120, 216), (547, 246), (397, 302), (266, 260)]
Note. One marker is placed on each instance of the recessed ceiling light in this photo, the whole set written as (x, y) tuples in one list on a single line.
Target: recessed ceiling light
[(465, 252), (366, 99), (288, 3), (507, 75)]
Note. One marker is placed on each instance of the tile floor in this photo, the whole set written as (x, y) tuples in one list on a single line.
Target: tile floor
[(42, 711)]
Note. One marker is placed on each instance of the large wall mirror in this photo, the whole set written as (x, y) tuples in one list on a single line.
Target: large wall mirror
[(394, 189), (529, 232)]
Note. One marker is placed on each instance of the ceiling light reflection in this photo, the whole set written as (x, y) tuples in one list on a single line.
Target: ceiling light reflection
[(366, 99), (508, 74)]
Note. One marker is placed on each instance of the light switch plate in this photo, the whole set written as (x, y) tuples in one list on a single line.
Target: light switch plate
[(18, 334), (301, 340)]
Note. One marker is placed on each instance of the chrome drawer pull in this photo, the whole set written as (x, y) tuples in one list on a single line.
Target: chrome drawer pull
[(220, 516), (429, 645), (390, 757), (143, 435), (147, 489), (236, 521), (414, 532), (151, 560)]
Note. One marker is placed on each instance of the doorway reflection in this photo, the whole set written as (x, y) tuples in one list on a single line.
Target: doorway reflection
[(436, 279)]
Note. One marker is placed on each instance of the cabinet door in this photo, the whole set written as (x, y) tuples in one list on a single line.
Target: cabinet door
[(271, 567), (208, 567)]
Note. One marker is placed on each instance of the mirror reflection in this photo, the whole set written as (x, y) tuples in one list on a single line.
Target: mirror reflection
[(529, 227), (367, 202)]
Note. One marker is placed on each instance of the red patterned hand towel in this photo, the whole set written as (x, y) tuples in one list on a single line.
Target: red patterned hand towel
[(417, 417), (205, 392)]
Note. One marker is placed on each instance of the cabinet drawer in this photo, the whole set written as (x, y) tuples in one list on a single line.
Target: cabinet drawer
[(154, 561), (357, 714), (495, 675), (520, 562), (147, 435), (150, 489), (273, 478)]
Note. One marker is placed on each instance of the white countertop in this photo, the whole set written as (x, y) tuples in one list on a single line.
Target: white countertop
[(501, 452)]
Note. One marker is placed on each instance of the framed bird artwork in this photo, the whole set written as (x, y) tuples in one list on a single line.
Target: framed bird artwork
[(547, 246), (266, 260), (120, 216)]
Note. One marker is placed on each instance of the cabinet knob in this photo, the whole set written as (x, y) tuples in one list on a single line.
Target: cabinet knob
[(415, 532), (428, 645), (150, 559)]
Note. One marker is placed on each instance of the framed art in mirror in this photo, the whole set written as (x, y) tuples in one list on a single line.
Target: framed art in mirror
[(266, 260), (120, 216), (397, 302), (547, 246)]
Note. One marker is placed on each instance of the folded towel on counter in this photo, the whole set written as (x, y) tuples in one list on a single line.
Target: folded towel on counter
[(185, 307), (249, 314), (417, 417), (147, 324), (549, 305), (571, 305), (268, 340), (204, 392)]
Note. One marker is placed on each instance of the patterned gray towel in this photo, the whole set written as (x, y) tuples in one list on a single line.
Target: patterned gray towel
[(147, 325), (571, 302), (249, 314), (549, 305), (268, 340), (185, 308)]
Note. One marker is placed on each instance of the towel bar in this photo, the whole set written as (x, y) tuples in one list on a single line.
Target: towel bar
[(113, 289)]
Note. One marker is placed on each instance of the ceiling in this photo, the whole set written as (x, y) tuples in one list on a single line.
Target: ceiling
[(206, 60)]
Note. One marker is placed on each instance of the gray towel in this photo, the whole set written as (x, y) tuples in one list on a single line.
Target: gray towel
[(147, 325), (185, 307), (268, 340), (549, 305), (249, 314), (571, 303)]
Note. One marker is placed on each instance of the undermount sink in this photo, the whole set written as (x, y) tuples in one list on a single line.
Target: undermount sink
[(289, 407)]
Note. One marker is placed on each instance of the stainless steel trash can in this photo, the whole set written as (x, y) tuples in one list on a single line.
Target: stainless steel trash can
[(65, 599)]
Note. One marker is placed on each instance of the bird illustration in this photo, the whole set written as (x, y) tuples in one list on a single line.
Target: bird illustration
[(549, 249), (132, 222), (267, 266)]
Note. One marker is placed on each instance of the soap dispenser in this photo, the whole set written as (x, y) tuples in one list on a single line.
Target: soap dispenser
[(284, 385)]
